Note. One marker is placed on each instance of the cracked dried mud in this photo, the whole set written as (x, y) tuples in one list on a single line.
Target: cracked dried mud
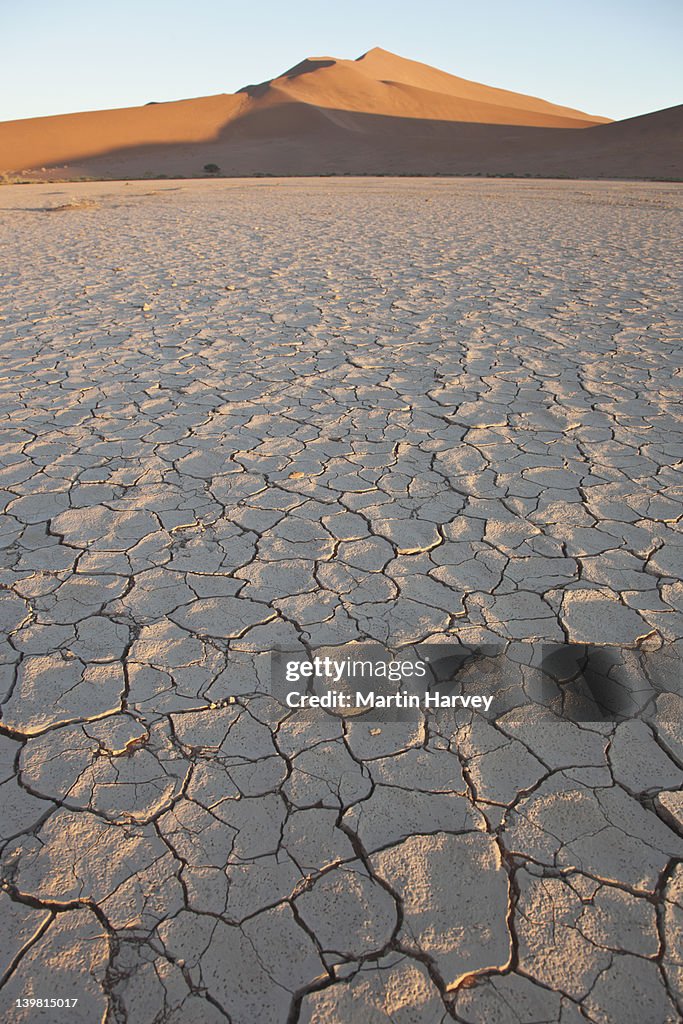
[(239, 415)]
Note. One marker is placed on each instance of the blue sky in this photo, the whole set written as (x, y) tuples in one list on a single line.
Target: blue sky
[(612, 57)]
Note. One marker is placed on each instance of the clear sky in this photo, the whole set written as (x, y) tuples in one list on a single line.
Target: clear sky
[(617, 58)]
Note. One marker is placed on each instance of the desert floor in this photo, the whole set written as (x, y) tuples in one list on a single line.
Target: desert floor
[(240, 415)]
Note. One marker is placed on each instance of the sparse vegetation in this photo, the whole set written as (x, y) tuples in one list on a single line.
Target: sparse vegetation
[(212, 169), (13, 179)]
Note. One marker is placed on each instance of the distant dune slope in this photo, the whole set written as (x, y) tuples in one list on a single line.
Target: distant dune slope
[(382, 66), (65, 138), (379, 114)]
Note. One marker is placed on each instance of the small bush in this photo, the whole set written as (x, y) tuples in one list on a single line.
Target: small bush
[(212, 168)]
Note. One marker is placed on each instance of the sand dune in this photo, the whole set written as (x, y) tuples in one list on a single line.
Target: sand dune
[(384, 84), (379, 114)]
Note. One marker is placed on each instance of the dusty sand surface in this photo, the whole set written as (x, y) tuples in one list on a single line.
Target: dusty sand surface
[(245, 415)]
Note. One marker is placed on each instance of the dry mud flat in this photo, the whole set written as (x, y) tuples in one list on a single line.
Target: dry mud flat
[(247, 414)]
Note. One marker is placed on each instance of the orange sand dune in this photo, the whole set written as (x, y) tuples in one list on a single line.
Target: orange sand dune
[(381, 83), (380, 114)]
